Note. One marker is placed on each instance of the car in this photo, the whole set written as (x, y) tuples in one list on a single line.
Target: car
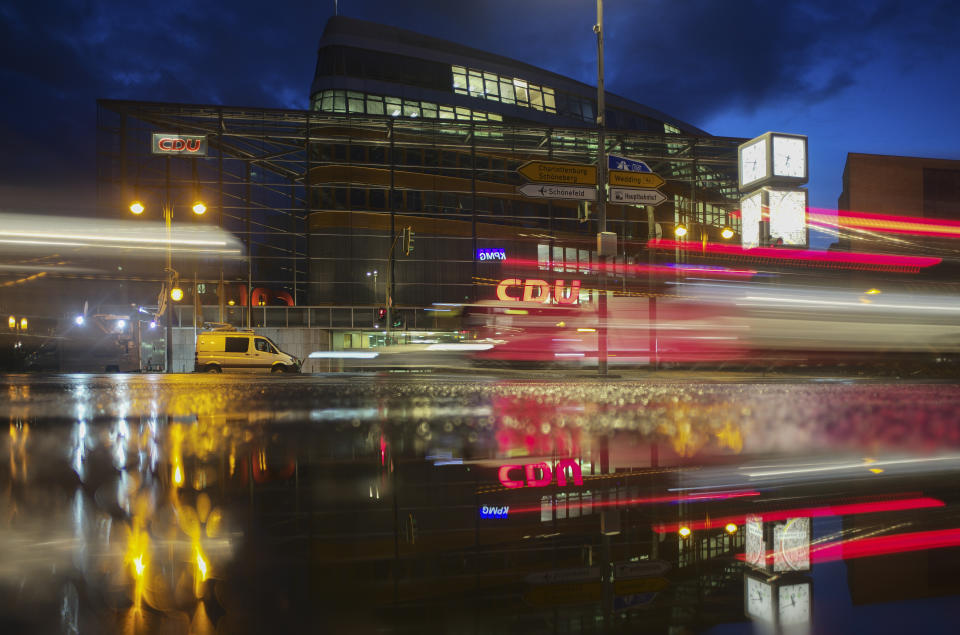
[(229, 349)]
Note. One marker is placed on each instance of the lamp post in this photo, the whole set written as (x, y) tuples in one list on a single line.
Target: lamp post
[(373, 274), (601, 195), (171, 289)]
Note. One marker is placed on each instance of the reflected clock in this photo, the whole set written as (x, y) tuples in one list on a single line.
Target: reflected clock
[(793, 604), (781, 603)]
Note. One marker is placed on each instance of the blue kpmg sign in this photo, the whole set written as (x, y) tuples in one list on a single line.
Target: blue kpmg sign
[(493, 253), (627, 165), (488, 511)]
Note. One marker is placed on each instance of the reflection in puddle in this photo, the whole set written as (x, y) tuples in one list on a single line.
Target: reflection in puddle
[(144, 506)]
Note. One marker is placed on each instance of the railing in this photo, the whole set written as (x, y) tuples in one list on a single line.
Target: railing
[(321, 317)]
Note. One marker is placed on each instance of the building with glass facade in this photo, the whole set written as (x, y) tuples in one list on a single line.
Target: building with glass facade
[(408, 131)]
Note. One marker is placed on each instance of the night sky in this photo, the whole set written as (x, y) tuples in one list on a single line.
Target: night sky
[(855, 76)]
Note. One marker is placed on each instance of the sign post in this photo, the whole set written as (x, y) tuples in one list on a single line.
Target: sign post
[(636, 196), (559, 173), (548, 190)]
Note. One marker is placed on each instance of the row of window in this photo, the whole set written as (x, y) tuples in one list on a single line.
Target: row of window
[(507, 90), (520, 92), (348, 101)]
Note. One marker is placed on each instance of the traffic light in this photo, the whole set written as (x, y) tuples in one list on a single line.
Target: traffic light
[(397, 321), (408, 235), (381, 316)]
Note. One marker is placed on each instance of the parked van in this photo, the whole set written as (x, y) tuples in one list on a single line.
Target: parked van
[(226, 348)]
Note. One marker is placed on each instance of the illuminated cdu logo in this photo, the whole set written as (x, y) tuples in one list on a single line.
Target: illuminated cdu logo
[(539, 291), (539, 474)]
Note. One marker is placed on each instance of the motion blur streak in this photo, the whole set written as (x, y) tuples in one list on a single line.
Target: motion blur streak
[(849, 466), (666, 269), (888, 223), (31, 231), (850, 509), (844, 260)]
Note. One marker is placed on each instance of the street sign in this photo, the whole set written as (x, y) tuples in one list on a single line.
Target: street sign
[(615, 162), (547, 190), (556, 172), (636, 196), (620, 178)]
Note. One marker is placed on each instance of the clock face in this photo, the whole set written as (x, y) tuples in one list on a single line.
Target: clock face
[(788, 217), (794, 604), (789, 157), (753, 163), (751, 213), (759, 599)]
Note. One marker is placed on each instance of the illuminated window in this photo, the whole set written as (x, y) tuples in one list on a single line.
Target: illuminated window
[(340, 101), (507, 90), (374, 105)]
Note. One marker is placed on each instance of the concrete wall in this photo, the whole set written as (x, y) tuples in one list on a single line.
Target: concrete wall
[(299, 342)]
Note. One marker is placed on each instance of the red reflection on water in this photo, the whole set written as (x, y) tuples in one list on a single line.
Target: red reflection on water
[(849, 509), (883, 545), (650, 500)]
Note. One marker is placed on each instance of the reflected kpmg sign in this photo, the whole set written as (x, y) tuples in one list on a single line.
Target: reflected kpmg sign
[(539, 474), (534, 290), (191, 145), (495, 253)]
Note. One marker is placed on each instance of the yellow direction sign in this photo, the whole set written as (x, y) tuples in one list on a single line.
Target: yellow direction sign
[(623, 178), (556, 172)]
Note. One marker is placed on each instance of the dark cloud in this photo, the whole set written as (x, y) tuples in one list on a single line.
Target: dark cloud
[(690, 58)]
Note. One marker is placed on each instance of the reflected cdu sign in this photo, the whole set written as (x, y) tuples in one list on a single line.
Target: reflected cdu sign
[(191, 145)]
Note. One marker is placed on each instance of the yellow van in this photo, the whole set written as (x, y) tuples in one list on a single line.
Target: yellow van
[(240, 351)]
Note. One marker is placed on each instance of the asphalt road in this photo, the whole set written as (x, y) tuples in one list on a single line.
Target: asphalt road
[(430, 502)]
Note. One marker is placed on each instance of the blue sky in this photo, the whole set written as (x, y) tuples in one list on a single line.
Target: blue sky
[(855, 76)]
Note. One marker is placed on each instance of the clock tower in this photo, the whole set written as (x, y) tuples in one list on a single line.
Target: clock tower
[(771, 169)]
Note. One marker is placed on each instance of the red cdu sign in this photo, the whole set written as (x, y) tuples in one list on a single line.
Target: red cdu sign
[(191, 145), (533, 290), (539, 474)]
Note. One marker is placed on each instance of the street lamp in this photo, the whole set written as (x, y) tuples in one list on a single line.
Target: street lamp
[(176, 293), (727, 233), (374, 275), (680, 230)]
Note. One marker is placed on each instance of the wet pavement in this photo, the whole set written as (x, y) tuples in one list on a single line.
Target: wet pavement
[(429, 503)]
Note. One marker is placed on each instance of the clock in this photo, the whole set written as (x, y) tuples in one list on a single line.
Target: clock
[(773, 158), (788, 216), (793, 604), (753, 162), (789, 156), (751, 213)]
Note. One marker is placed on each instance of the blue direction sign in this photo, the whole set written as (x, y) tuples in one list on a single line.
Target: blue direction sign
[(629, 165)]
